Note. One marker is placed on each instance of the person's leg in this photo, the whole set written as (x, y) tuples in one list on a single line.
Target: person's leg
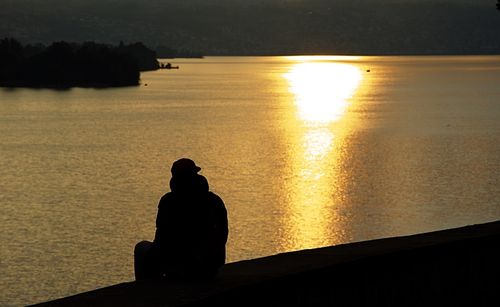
[(142, 265)]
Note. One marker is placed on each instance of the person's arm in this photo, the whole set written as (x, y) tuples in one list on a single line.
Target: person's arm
[(221, 227), (160, 221)]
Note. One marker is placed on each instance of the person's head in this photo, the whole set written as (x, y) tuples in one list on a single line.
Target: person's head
[(201, 183), (193, 185), (184, 168), (185, 177)]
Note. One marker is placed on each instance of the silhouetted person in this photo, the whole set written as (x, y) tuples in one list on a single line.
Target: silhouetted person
[(191, 230)]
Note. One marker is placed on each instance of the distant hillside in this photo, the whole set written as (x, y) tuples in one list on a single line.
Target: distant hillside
[(228, 27), (64, 65)]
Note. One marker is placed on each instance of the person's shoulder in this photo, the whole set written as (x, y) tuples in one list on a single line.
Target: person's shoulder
[(167, 197), (215, 198), (212, 194)]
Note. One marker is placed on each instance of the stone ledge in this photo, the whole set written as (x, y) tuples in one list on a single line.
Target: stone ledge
[(456, 267)]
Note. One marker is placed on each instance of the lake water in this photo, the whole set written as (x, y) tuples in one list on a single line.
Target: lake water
[(305, 152)]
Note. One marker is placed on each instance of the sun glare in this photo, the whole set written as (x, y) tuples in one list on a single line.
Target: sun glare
[(322, 58), (322, 90)]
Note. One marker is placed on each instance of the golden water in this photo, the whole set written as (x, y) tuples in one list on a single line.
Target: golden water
[(305, 152)]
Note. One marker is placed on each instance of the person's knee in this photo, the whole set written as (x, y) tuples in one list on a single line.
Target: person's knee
[(142, 267), (142, 247)]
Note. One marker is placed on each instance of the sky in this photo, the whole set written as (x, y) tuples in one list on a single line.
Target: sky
[(262, 26)]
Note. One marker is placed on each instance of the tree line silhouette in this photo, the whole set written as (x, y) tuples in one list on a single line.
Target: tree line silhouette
[(63, 64)]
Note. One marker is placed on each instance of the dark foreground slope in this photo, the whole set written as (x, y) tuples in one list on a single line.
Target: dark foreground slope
[(457, 267)]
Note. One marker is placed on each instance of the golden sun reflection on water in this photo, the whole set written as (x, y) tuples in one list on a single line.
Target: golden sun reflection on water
[(322, 92)]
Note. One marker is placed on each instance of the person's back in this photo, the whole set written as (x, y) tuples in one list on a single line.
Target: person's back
[(191, 229)]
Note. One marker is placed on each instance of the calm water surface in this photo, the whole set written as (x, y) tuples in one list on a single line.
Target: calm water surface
[(305, 151)]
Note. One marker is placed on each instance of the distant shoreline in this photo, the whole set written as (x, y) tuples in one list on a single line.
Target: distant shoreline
[(492, 52)]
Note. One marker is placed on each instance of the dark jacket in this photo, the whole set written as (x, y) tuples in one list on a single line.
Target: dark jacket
[(191, 226)]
